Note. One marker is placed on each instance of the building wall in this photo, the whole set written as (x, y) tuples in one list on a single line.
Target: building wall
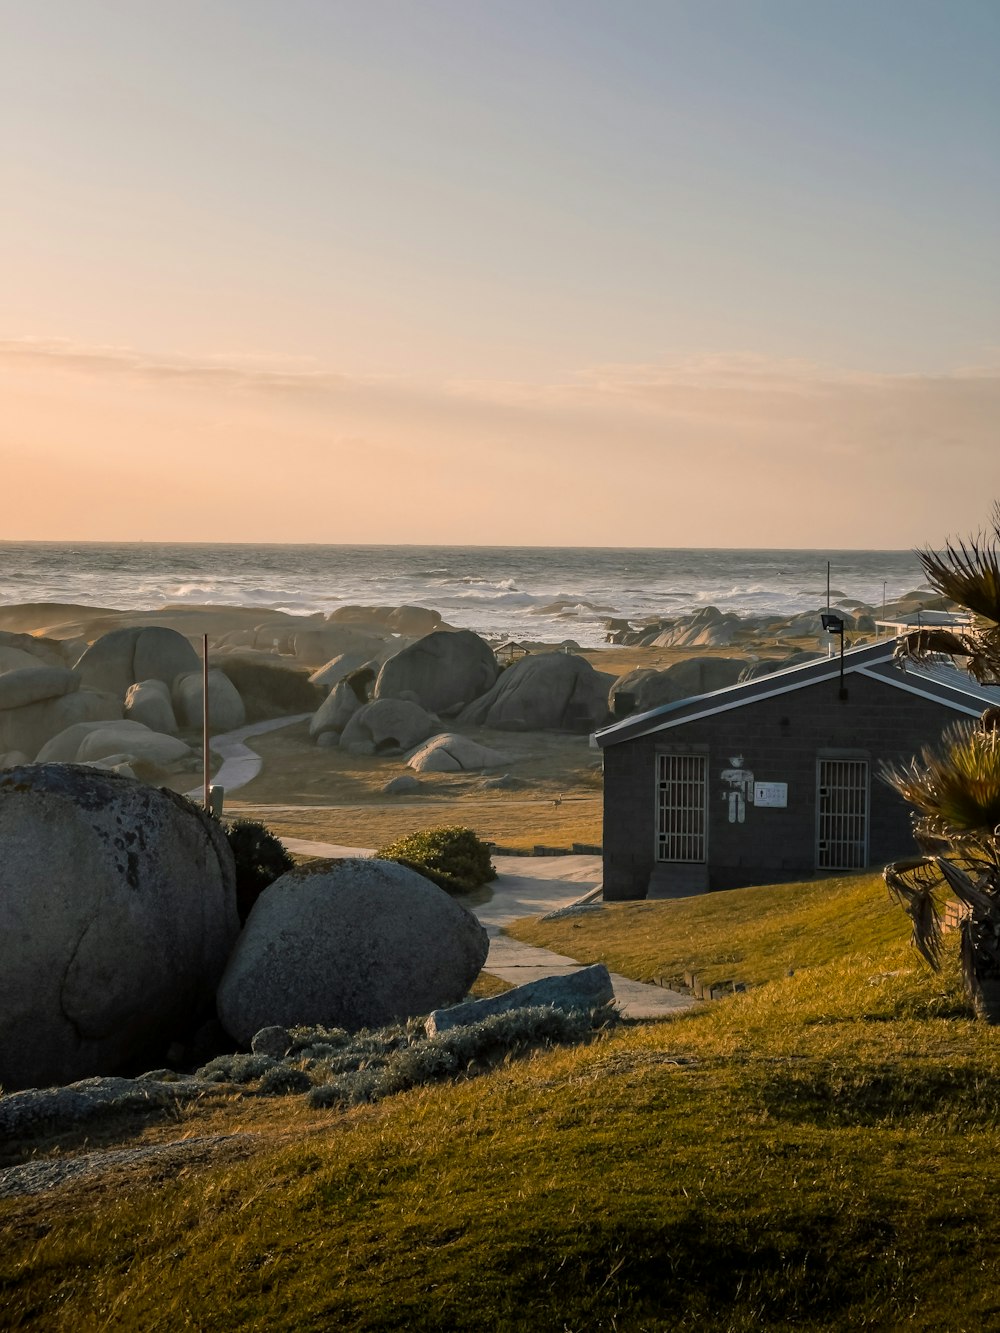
[(780, 740)]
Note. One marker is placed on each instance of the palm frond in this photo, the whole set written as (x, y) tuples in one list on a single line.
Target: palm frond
[(968, 572), (912, 883), (979, 895), (955, 785)]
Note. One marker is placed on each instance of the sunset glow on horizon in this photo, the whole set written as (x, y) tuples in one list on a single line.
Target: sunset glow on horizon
[(682, 274)]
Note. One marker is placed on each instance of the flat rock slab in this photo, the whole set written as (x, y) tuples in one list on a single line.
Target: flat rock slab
[(577, 988), (40, 1175)]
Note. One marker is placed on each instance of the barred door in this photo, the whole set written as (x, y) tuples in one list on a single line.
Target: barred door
[(682, 788), (842, 804)]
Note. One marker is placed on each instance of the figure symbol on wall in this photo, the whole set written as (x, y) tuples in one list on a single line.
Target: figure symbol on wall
[(739, 780)]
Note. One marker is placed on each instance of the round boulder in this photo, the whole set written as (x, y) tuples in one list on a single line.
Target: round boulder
[(225, 707), (117, 659), (444, 671), (450, 753), (117, 914), (544, 692), (148, 702), (351, 944), (34, 684), (335, 711), (387, 726), (30, 727), (132, 738), (683, 680)]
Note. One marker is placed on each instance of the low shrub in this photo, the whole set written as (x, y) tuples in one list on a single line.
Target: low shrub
[(260, 858), (238, 1068), (454, 859)]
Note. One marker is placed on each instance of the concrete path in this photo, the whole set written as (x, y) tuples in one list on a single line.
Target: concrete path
[(525, 886), (530, 886), (240, 764)]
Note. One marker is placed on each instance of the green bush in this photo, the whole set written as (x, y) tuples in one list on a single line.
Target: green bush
[(260, 859), (455, 859)]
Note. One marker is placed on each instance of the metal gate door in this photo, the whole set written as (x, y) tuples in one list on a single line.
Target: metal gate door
[(842, 805), (682, 784)]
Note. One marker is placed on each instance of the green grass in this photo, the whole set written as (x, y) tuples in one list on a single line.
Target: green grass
[(749, 935), (817, 1153)]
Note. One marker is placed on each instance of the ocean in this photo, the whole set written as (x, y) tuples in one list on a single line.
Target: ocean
[(539, 593)]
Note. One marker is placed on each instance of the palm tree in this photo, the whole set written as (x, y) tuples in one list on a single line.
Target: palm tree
[(955, 788), (968, 572)]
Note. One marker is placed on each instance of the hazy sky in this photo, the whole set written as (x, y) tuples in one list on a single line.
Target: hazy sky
[(611, 272)]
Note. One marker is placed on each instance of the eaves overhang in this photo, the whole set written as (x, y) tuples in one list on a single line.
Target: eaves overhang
[(738, 696)]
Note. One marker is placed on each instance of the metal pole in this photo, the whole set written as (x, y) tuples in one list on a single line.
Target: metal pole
[(204, 722)]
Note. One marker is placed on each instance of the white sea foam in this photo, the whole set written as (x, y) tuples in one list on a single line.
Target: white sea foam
[(526, 593)]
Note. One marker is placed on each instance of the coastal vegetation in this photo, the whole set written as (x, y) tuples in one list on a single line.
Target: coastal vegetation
[(954, 786), (813, 1153), (454, 859)]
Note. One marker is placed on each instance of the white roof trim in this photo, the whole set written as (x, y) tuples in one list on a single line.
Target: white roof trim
[(741, 701), (899, 683)]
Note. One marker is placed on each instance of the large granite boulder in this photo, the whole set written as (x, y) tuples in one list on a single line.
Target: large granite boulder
[(387, 726), (117, 915), (706, 628), (38, 650), (16, 659), (35, 684), (150, 748), (451, 753), (121, 657), (271, 689), (683, 680), (30, 727), (443, 671), (336, 710), (351, 944), (544, 692), (768, 666), (344, 664), (315, 647), (148, 702), (225, 707), (413, 620)]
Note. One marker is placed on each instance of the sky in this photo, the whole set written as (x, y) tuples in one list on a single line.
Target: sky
[(537, 272)]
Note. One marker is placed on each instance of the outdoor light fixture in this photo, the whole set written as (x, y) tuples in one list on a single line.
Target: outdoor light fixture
[(835, 625)]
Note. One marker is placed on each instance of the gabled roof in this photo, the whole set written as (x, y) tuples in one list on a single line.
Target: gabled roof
[(944, 684)]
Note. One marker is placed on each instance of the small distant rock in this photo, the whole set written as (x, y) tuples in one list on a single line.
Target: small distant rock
[(450, 753), (402, 786)]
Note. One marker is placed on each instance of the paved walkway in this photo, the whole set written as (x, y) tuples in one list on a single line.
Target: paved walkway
[(240, 764), (525, 886), (530, 886)]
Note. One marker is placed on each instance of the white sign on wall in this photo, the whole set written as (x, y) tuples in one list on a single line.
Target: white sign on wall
[(774, 794)]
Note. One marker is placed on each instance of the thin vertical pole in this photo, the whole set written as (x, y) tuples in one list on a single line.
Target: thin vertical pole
[(204, 722), (828, 587)]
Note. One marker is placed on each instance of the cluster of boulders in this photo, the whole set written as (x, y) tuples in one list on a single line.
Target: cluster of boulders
[(396, 706), (132, 700), (119, 932), (708, 627)]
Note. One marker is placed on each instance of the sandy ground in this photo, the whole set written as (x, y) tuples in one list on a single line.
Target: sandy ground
[(309, 792)]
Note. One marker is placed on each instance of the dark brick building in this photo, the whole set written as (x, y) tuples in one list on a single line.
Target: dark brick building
[(776, 779)]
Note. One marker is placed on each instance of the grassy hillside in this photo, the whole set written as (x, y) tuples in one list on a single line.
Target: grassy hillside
[(749, 935), (817, 1153)]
